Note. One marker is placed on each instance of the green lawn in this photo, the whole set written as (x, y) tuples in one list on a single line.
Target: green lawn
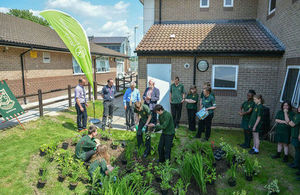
[(19, 159)]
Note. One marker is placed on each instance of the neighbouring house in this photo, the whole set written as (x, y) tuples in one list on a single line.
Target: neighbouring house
[(118, 44), (33, 57), (237, 45)]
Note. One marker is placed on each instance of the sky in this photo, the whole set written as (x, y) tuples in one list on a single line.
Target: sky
[(98, 17)]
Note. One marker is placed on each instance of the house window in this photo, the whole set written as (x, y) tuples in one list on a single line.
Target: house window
[(272, 6), (102, 64), (228, 3), (225, 77), (291, 86), (204, 3), (76, 67), (46, 57)]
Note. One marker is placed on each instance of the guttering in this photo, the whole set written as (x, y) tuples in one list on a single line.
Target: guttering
[(23, 73), (194, 73), (160, 11)]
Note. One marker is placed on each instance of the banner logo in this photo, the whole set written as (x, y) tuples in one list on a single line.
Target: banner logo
[(80, 51), (5, 102)]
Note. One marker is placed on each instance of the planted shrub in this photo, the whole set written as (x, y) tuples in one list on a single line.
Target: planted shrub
[(272, 187), (166, 174), (42, 179), (199, 172), (180, 188), (185, 169), (232, 178)]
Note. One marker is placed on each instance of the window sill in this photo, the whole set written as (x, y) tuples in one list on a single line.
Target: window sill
[(225, 92), (103, 72), (78, 74)]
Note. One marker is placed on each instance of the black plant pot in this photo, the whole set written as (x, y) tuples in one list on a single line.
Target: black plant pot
[(42, 153), (73, 186), (123, 144), (232, 182), (249, 178), (51, 159), (164, 192), (104, 138), (158, 179), (41, 184), (61, 178), (124, 162), (273, 193), (65, 145), (114, 147), (41, 172)]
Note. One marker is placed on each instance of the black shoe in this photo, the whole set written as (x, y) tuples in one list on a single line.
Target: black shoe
[(197, 137), (251, 150), (285, 158), (245, 147), (298, 173), (293, 166), (242, 145), (276, 155)]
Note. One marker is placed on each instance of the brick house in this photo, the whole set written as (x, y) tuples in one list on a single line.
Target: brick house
[(37, 53), (246, 45)]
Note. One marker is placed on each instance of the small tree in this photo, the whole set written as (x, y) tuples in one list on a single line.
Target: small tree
[(26, 14)]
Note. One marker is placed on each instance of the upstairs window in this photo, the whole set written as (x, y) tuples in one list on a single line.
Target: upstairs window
[(204, 3), (225, 77), (272, 6), (228, 3)]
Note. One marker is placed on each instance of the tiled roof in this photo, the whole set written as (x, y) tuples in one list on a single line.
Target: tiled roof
[(212, 37), (24, 33), (108, 40)]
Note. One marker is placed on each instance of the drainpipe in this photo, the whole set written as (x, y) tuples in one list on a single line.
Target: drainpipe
[(23, 74), (160, 11), (194, 73)]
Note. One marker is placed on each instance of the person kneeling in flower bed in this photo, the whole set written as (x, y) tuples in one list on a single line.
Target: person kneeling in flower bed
[(87, 145), (102, 160)]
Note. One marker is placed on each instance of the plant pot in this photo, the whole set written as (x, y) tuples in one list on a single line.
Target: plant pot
[(158, 179), (104, 138), (41, 184), (65, 145), (273, 193), (124, 162), (51, 159), (114, 147), (249, 178), (61, 178), (232, 182), (164, 192), (73, 186), (41, 172), (42, 153)]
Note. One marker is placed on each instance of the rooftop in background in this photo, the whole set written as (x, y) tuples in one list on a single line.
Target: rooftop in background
[(19, 32), (108, 40), (210, 37)]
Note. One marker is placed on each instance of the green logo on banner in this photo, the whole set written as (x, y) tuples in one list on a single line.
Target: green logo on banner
[(5, 102)]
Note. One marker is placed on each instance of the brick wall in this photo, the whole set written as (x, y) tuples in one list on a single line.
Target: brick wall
[(179, 10), (256, 73)]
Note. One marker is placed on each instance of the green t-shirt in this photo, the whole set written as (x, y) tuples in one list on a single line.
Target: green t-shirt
[(194, 97), (208, 102), (246, 107), (144, 113), (283, 128), (84, 145), (295, 130), (257, 111), (176, 93), (166, 123), (98, 163)]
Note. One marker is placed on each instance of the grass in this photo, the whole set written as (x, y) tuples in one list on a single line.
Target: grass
[(19, 160), (90, 110)]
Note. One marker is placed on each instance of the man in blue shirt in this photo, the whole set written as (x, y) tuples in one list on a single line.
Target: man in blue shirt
[(131, 96), (80, 105), (108, 94)]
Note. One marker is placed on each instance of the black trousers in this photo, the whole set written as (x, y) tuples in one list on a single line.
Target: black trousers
[(108, 110), (176, 113), (81, 117), (192, 119), (88, 155), (205, 126), (129, 115), (164, 147), (139, 136)]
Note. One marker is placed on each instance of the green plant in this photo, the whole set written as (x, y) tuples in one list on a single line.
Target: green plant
[(242, 192), (129, 152), (211, 175), (115, 143), (185, 168), (166, 174), (83, 173), (199, 172), (180, 188), (76, 139), (105, 135), (65, 170), (256, 167), (112, 159), (232, 171), (44, 176), (140, 151), (248, 167), (44, 147), (272, 187), (139, 168), (148, 178)]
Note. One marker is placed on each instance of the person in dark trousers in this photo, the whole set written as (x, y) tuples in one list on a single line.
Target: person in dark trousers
[(177, 95), (108, 94), (143, 118), (87, 146), (245, 112), (151, 97), (192, 101), (131, 96), (209, 103), (166, 124), (81, 105), (283, 131)]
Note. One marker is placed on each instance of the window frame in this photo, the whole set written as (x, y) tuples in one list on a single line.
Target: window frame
[(224, 65), (204, 6), (269, 7), (105, 59), (75, 73), (46, 61), (224, 3), (285, 79)]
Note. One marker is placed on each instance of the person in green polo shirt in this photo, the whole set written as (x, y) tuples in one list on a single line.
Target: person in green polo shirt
[(86, 147), (192, 101), (283, 131), (295, 124), (142, 119), (209, 103), (166, 124), (177, 95), (245, 113), (255, 123)]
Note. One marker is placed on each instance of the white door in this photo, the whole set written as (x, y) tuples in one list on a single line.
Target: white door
[(161, 74)]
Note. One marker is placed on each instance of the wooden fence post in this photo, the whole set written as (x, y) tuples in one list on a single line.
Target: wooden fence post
[(90, 94), (70, 96), (124, 83), (95, 89), (40, 97), (117, 84)]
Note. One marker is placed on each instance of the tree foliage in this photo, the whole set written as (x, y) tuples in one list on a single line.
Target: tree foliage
[(26, 14)]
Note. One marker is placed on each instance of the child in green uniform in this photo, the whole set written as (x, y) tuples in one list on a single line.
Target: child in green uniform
[(205, 85), (168, 131), (255, 123), (246, 110), (87, 145), (143, 118), (177, 96), (192, 101), (283, 131), (295, 124)]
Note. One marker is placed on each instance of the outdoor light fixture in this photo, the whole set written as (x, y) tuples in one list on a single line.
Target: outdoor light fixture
[(186, 65), (202, 65)]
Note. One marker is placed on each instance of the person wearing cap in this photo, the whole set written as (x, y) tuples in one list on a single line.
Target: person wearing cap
[(245, 112), (143, 118), (131, 96), (81, 105), (108, 94), (192, 101), (151, 97)]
